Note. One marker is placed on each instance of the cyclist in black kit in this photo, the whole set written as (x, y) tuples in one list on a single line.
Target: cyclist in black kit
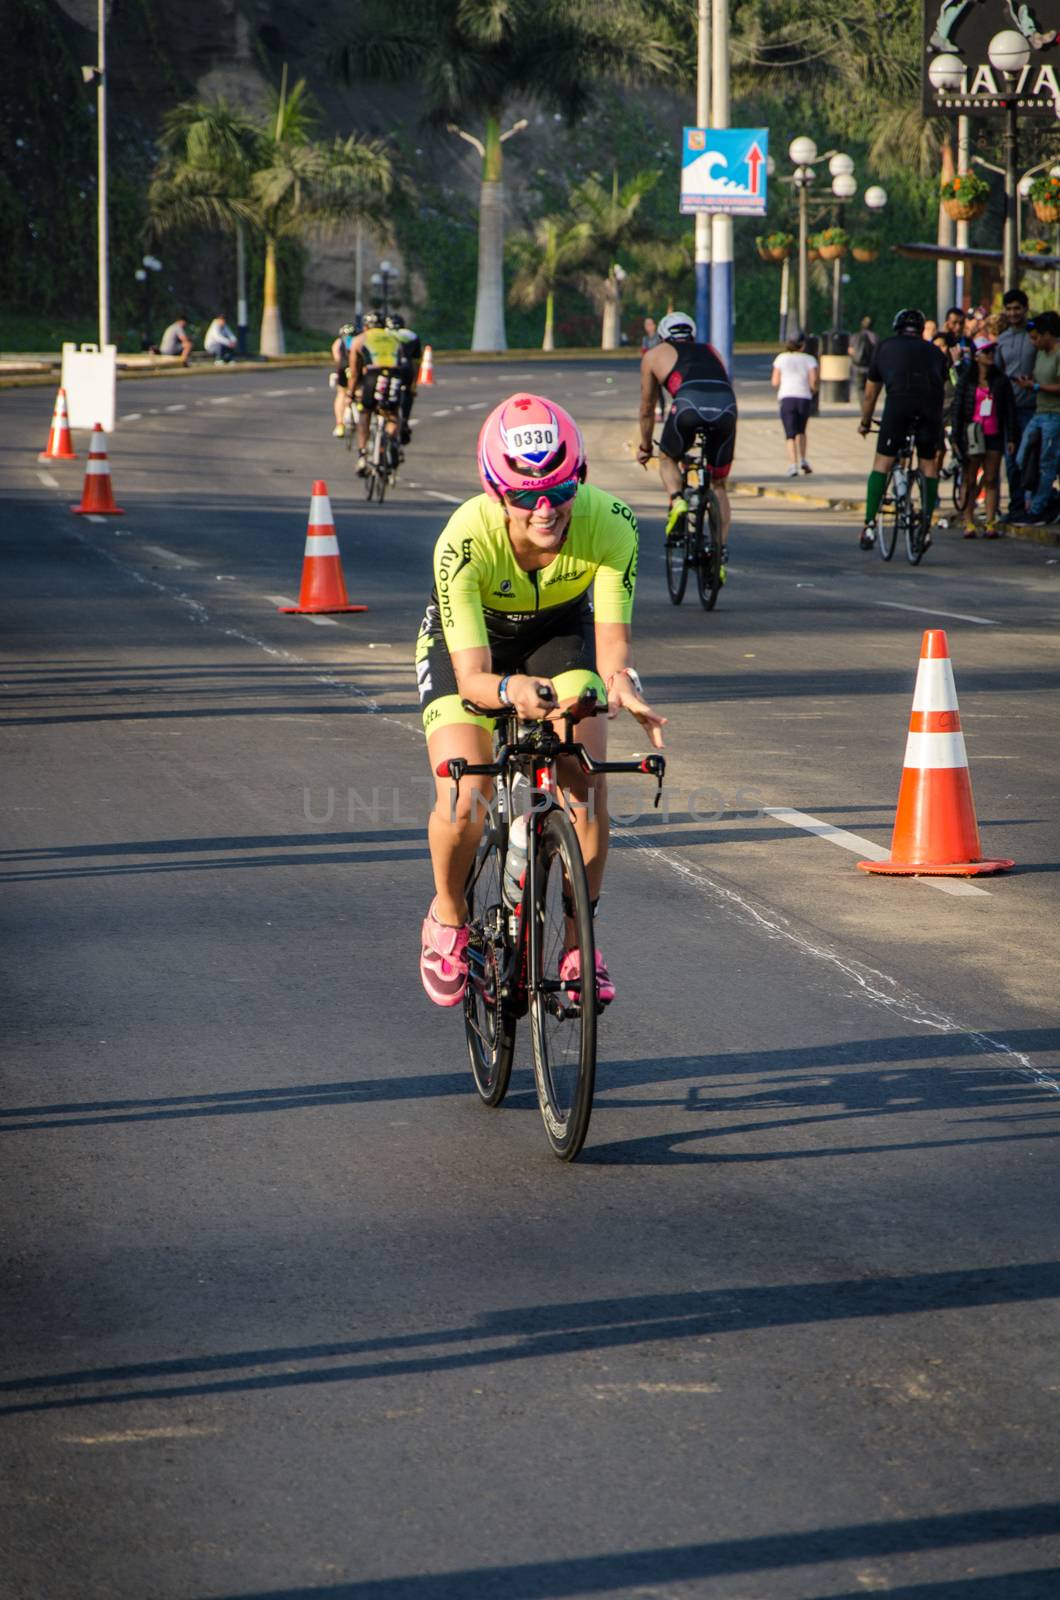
[(703, 403), (915, 373)]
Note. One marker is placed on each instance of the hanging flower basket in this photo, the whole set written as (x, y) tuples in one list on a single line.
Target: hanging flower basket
[(832, 252), (865, 252), (812, 253), (1045, 196), (833, 243), (775, 246), (964, 197), (1047, 210), (964, 210)]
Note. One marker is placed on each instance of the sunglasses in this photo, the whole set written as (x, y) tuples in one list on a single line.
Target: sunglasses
[(527, 499)]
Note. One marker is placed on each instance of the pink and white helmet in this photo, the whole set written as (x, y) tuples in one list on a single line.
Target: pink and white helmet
[(527, 442)]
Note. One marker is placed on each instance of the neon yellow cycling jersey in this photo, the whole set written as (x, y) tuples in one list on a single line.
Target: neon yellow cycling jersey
[(484, 596), (382, 348)]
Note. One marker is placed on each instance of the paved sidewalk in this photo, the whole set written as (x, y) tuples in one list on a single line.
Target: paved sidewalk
[(840, 457)]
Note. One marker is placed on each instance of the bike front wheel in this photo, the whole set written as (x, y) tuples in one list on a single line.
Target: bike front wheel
[(708, 552), (562, 1014), (489, 1017), (915, 519)]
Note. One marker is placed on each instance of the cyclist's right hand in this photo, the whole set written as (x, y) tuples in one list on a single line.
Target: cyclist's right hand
[(532, 698)]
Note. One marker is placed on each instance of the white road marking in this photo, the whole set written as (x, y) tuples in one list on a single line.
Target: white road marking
[(443, 413), (933, 611), (176, 408), (272, 394), (48, 481), (321, 622), (93, 518), (862, 847), (436, 494), (221, 399), (280, 599), (478, 405), (180, 1430), (169, 555), (131, 416)]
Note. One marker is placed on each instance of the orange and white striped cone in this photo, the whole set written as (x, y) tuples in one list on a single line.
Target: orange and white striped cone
[(97, 496), (59, 446), (323, 586), (936, 834), (426, 378)]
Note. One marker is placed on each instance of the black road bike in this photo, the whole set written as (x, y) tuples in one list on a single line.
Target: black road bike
[(695, 543), (902, 514), (519, 935)]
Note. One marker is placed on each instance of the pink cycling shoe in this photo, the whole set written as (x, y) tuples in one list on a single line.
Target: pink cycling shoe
[(443, 960), (571, 967)]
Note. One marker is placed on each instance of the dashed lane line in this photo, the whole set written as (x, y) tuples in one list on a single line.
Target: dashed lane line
[(169, 555), (862, 847), (92, 517), (933, 611), (131, 416), (436, 494), (48, 481), (177, 408), (285, 600)]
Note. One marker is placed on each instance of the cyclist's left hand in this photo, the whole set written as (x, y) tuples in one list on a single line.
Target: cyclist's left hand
[(622, 696), (644, 454), (864, 425)]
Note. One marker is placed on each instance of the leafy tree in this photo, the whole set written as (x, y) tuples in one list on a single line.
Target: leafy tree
[(545, 259), (662, 270), (611, 214), (221, 169), (472, 60)]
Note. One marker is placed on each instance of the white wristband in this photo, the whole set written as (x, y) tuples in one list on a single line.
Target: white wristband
[(634, 677)]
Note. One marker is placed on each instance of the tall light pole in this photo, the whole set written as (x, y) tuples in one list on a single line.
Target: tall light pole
[(721, 306), (702, 220), (803, 152), (98, 76), (844, 187), (1009, 53)]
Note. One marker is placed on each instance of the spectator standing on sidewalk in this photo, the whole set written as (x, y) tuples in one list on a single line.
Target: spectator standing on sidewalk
[(176, 341), (1045, 424), (651, 335), (862, 346), (795, 376), (1015, 358), (982, 423), (220, 342)]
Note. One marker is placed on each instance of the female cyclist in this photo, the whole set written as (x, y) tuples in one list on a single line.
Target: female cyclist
[(532, 604)]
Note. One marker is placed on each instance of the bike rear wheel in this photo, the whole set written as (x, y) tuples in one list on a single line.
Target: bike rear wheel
[(708, 551), (915, 519), (677, 564), (489, 1020), (889, 521), (562, 1024)]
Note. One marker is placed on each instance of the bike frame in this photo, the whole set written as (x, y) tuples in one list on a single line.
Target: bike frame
[(540, 751)]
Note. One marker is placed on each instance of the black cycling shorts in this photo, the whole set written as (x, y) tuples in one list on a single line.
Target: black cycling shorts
[(555, 643), (383, 389), (899, 420), (702, 406)]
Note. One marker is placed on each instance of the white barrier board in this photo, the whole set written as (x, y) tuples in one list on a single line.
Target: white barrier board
[(90, 377)]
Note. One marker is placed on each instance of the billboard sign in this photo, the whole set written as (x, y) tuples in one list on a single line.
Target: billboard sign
[(958, 78), (724, 170)]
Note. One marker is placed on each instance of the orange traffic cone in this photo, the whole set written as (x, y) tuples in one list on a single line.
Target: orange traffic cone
[(59, 446), (97, 497), (323, 586), (935, 830), (427, 368)]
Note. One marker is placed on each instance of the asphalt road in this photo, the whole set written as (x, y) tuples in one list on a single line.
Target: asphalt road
[(284, 1310)]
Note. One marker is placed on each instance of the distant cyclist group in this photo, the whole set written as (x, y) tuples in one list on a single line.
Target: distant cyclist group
[(376, 369)]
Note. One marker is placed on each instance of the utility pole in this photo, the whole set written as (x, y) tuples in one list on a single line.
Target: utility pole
[(721, 307), (101, 182), (702, 219), (964, 161)]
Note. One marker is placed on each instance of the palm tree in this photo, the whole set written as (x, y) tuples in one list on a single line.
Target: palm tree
[(661, 269), (221, 169), (612, 215), (546, 258), (472, 59)]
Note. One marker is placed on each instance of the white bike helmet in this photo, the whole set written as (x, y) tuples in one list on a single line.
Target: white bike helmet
[(677, 326)]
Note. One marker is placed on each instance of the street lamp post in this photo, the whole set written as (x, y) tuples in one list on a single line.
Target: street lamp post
[(151, 264), (803, 152), (844, 187), (381, 282), (1009, 53)]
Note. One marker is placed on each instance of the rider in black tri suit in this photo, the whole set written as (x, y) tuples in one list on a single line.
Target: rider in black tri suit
[(703, 402), (915, 374)]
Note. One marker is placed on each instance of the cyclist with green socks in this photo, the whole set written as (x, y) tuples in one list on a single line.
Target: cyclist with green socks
[(915, 374)]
